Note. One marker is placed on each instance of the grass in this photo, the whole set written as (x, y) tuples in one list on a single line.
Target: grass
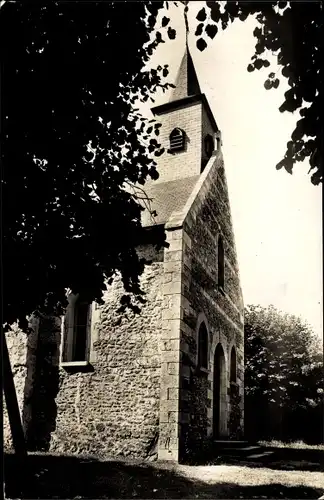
[(296, 445), (254, 477), (54, 476)]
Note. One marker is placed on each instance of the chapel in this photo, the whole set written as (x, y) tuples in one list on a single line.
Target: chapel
[(161, 383)]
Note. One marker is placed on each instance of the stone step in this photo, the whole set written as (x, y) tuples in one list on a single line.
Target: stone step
[(230, 443), (246, 450), (247, 459), (258, 456)]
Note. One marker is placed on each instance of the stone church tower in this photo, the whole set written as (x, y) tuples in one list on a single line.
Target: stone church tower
[(161, 383)]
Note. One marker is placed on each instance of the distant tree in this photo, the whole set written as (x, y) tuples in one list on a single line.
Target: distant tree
[(293, 31), (283, 375)]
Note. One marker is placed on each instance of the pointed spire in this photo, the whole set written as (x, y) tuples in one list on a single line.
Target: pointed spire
[(186, 82)]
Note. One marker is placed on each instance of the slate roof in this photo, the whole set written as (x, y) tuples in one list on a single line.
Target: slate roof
[(186, 83), (167, 197)]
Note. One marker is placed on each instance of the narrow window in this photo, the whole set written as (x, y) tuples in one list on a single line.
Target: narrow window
[(208, 146), (177, 140), (203, 347), (221, 270), (76, 330), (233, 366), (207, 151), (80, 330)]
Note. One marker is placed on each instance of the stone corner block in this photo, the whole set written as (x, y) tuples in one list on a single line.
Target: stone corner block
[(170, 455)]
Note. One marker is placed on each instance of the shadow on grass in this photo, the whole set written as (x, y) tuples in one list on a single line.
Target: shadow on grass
[(52, 476), (303, 462), (290, 459), (297, 459)]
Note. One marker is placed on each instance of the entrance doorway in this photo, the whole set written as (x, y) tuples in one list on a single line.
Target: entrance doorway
[(219, 394)]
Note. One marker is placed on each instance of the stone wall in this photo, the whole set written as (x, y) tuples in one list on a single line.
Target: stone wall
[(114, 409), (222, 310), (41, 405), (186, 163), (17, 347), (22, 350), (143, 393), (194, 433), (191, 295)]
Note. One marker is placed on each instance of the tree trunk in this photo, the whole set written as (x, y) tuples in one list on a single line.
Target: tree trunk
[(17, 432)]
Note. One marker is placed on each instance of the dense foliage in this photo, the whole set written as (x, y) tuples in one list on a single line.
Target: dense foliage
[(283, 376), (72, 141), (73, 147), (293, 31)]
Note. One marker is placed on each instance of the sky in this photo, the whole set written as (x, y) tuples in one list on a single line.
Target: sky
[(277, 217)]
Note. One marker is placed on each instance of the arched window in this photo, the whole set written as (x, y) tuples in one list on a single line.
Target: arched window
[(221, 264), (177, 140), (203, 347), (233, 366), (208, 146)]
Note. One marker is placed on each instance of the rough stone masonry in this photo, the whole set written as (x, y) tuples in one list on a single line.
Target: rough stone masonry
[(162, 383)]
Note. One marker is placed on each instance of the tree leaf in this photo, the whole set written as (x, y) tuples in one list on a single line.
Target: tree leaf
[(171, 33), (79, 189), (214, 11), (258, 64), (268, 84), (201, 44), (211, 30), (159, 152), (165, 21), (243, 16), (201, 16), (199, 29), (275, 83)]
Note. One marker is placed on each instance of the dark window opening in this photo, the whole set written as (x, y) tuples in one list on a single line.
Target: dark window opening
[(221, 265), (177, 140), (233, 366), (219, 142), (203, 347), (81, 319), (208, 146)]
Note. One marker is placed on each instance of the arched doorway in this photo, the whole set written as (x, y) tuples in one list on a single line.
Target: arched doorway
[(219, 394)]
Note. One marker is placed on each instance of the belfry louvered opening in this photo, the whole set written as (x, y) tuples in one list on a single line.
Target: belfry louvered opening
[(177, 140)]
